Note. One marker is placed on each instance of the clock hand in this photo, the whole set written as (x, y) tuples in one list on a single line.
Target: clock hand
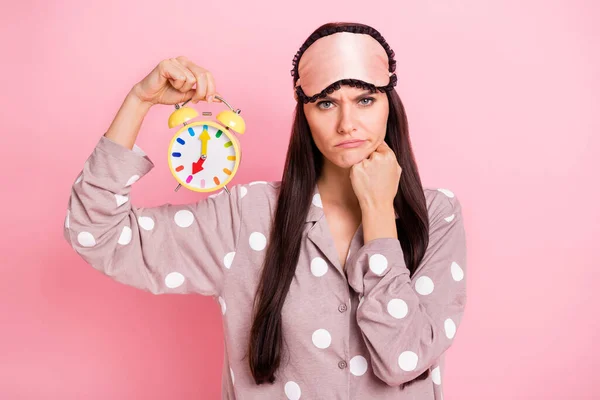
[(204, 137), (197, 166)]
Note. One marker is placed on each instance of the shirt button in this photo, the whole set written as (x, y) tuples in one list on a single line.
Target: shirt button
[(342, 308), (342, 364)]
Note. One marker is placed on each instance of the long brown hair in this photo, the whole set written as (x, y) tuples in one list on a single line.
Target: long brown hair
[(302, 168)]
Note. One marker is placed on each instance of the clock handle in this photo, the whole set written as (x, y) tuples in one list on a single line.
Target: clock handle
[(177, 106)]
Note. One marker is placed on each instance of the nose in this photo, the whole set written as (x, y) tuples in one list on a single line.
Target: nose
[(346, 122)]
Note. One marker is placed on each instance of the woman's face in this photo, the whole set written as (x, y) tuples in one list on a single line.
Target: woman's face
[(348, 114)]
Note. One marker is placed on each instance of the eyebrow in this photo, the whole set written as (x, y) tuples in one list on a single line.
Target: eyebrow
[(329, 98)]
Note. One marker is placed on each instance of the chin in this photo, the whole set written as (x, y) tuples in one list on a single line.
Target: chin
[(347, 160)]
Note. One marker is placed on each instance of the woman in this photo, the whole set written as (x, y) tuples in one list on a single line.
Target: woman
[(344, 280)]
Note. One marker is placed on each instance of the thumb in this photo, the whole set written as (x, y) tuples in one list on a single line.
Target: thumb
[(188, 95), (383, 146)]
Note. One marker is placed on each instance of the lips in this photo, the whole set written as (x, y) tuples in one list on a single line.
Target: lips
[(350, 141)]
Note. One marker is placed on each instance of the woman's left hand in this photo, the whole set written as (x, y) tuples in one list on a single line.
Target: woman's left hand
[(375, 179)]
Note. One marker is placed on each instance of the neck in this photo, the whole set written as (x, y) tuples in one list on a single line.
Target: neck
[(336, 189)]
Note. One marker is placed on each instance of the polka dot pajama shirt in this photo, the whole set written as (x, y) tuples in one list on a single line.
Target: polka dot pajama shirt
[(365, 331)]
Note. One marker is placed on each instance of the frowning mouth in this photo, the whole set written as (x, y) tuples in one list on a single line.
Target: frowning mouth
[(350, 143)]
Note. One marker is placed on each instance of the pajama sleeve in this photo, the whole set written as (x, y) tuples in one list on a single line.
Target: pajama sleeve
[(407, 323), (166, 249)]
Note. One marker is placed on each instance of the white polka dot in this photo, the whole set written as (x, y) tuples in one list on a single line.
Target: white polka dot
[(258, 241), (223, 305), (232, 376), (457, 272), (79, 178), (125, 237), (450, 328), (316, 200), (67, 219), (121, 199), (358, 365), (424, 285), (436, 377), (184, 218), (446, 192), (228, 259), (292, 390), (318, 266), (86, 239), (146, 222), (174, 279), (257, 182), (450, 218), (132, 180), (243, 191), (397, 308), (408, 361), (321, 338), (378, 263)]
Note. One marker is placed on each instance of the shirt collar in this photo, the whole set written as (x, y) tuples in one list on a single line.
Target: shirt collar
[(315, 212)]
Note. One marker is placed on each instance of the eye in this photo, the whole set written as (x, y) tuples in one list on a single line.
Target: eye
[(370, 99), (322, 102)]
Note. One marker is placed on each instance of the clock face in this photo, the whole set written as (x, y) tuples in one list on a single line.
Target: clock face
[(200, 173)]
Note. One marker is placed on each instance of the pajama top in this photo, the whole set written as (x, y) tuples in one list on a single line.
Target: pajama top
[(365, 331)]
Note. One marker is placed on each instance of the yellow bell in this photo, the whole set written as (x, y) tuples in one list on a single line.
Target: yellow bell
[(181, 115), (232, 120)]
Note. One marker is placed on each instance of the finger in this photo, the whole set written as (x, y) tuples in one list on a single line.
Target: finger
[(180, 75), (383, 147), (201, 84), (201, 88), (174, 74), (215, 98), (210, 87), (385, 150), (376, 158), (190, 78), (189, 82), (201, 79)]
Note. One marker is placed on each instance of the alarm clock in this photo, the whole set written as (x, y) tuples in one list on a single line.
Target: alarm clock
[(205, 155)]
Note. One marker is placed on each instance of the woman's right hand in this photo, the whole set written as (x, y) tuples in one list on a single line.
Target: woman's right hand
[(172, 81)]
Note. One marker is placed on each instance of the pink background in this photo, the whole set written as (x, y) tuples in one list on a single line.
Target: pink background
[(502, 99)]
